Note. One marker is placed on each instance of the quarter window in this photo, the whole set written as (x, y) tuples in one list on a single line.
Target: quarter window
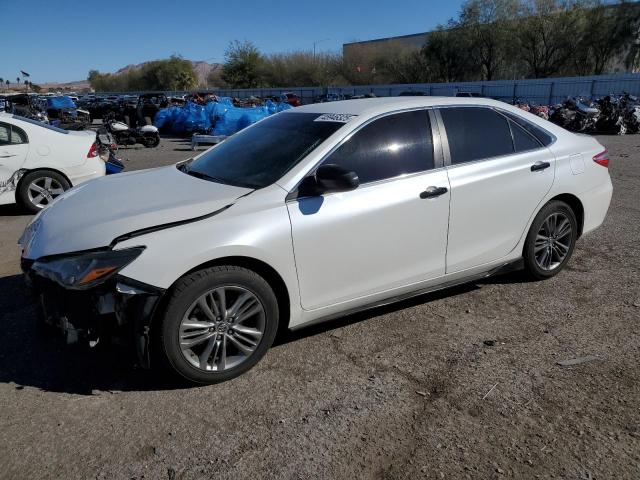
[(18, 135), (475, 133), (391, 146), (522, 141), (5, 134)]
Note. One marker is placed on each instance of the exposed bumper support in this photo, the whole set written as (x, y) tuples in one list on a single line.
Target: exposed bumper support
[(121, 308)]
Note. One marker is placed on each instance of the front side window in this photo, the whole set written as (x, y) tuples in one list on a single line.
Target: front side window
[(475, 133), (391, 146), (260, 155)]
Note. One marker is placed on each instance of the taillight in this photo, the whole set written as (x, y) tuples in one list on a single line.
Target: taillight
[(602, 159), (93, 151)]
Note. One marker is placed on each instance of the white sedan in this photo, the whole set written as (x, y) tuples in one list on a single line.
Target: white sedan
[(39, 162), (307, 215)]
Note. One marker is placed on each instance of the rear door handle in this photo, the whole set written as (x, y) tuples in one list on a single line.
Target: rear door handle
[(540, 166), (433, 192)]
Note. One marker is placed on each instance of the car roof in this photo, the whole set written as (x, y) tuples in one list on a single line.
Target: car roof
[(374, 106)]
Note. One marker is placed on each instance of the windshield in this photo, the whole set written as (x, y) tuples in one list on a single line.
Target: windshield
[(260, 155)]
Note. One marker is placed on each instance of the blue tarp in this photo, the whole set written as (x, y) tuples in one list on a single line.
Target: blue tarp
[(223, 116), (59, 103)]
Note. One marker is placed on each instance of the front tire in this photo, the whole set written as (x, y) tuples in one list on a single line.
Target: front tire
[(550, 241), (38, 189), (151, 141), (219, 322)]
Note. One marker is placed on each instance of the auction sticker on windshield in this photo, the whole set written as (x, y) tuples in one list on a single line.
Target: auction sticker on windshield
[(335, 117)]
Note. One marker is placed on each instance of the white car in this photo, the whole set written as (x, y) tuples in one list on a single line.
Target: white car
[(311, 214), (39, 162)]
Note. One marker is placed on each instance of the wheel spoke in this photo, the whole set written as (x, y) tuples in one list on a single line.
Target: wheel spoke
[(247, 350), (240, 302), (564, 229), (36, 188), (221, 304), (206, 353), (204, 307), (47, 183), (37, 199), (247, 314), (57, 191), (254, 332), (564, 249), (196, 325), (193, 341)]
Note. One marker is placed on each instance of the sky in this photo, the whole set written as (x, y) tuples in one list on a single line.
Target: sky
[(66, 39)]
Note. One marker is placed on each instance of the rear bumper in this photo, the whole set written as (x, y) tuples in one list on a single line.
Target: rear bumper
[(119, 310), (596, 204)]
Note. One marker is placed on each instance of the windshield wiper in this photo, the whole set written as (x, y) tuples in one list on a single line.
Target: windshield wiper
[(204, 176)]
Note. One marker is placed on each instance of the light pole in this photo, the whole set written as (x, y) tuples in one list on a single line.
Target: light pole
[(317, 42)]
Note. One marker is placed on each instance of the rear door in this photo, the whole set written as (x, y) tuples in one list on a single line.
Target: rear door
[(385, 234), (14, 146), (499, 172)]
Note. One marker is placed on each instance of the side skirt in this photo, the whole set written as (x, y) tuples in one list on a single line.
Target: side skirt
[(506, 268)]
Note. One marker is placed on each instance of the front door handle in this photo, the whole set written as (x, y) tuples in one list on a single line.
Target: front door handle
[(540, 166), (433, 192)]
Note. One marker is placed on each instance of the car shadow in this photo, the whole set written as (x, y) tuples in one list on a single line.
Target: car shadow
[(30, 357), (13, 210)]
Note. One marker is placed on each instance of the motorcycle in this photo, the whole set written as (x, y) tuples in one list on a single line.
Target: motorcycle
[(575, 114), (611, 117), (630, 108), (541, 111), (147, 135), (107, 149)]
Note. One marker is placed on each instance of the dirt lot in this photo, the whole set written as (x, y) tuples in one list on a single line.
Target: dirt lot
[(460, 384)]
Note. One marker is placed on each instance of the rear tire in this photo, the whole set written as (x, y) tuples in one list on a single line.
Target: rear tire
[(238, 324), (550, 241), (38, 189)]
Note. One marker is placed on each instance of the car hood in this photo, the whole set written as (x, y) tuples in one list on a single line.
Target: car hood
[(95, 213)]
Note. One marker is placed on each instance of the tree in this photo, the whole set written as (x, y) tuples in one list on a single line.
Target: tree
[(243, 65), (485, 23), (448, 54), (545, 37), (606, 32), (173, 73)]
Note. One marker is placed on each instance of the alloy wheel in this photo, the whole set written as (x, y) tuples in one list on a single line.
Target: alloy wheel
[(43, 190), (553, 241), (222, 328)]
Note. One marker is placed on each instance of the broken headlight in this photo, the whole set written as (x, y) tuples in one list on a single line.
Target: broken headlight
[(80, 272)]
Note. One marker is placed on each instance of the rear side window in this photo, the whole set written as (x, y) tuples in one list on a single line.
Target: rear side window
[(10, 134), (475, 133), (391, 146)]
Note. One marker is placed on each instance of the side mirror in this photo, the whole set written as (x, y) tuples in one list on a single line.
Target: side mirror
[(333, 178)]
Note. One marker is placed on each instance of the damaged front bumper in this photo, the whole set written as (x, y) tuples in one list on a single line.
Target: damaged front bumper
[(120, 310)]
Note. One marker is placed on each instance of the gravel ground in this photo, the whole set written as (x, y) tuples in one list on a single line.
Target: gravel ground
[(459, 384)]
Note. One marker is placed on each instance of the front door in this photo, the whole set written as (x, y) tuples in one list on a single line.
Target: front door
[(389, 232)]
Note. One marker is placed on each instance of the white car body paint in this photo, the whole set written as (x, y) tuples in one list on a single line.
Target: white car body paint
[(48, 149), (343, 251)]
